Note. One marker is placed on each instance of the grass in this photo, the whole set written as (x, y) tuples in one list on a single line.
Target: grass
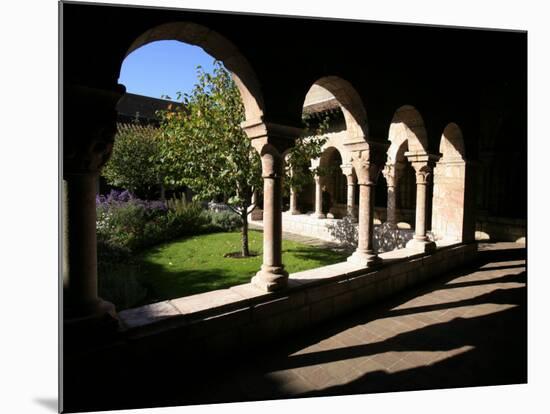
[(197, 264)]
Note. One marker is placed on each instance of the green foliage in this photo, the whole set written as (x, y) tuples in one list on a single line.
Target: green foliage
[(177, 204), (136, 162), (197, 264), (131, 226), (224, 220), (298, 163), (204, 144)]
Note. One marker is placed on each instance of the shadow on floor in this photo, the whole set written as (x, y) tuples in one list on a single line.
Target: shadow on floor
[(494, 352)]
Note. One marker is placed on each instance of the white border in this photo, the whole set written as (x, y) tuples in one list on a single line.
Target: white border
[(28, 364)]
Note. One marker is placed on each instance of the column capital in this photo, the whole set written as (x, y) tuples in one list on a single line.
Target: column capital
[(392, 173), (347, 169), (367, 166), (272, 162), (89, 127), (261, 134)]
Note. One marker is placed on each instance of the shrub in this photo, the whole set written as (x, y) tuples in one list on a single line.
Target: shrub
[(128, 223), (224, 220)]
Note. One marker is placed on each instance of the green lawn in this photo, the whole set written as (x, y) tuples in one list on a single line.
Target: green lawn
[(197, 264)]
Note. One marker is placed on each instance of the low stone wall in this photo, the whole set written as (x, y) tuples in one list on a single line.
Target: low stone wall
[(343, 231), (501, 229), (227, 320)]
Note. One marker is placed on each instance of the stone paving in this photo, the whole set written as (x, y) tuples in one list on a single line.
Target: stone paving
[(468, 329)]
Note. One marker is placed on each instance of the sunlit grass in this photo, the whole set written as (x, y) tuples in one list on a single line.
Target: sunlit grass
[(197, 264)]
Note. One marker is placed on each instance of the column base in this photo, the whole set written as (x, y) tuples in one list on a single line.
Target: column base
[(364, 259), (425, 246), (270, 278), (319, 215), (293, 212)]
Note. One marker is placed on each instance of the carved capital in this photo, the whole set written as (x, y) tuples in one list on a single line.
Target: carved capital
[(392, 173), (347, 169), (367, 171), (272, 162), (424, 172), (89, 127)]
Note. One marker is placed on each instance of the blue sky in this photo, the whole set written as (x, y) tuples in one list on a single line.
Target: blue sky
[(163, 68)]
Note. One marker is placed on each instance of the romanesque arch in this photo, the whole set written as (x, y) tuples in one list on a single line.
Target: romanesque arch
[(407, 126), (220, 48), (449, 197), (351, 105)]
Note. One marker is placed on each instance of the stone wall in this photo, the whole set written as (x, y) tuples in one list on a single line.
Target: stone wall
[(221, 321), (448, 200)]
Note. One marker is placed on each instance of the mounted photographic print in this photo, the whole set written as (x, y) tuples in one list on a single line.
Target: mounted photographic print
[(261, 207)]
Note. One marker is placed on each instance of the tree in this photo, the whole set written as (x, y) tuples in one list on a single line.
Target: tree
[(136, 162), (298, 170), (205, 148)]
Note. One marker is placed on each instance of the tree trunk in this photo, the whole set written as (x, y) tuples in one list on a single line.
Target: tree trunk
[(244, 234)]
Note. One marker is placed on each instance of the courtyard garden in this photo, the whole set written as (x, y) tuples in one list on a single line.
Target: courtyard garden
[(149, 251)]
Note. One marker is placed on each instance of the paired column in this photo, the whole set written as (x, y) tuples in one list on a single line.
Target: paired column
[(347, 170), (423, 165), (271, 140), (392, 173), (367, 174), (318, 198), (293, 202), (85, 151)]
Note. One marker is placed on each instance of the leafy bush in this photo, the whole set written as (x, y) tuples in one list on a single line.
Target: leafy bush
[(224, 220), (126, 223)]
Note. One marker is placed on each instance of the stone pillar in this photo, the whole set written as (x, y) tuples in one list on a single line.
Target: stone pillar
[(318, 198), (89, 127), (293, 202), (367, 174), (392, 173), (423, 165), (347, 170), (271, 140)]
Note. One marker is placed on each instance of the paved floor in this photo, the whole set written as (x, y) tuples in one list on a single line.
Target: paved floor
[(466, 329), (311, 241)]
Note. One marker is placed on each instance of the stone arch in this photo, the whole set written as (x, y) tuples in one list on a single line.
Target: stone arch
[(407, 125), (450, 205), (335, 181), (451, 146), (351, 105), (221, 49)]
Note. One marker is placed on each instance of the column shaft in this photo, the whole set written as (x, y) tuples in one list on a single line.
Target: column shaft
[(293, 201), (367, 174), (272, 275), (80, 244), (420, 222), (390, 211), (318, 199)]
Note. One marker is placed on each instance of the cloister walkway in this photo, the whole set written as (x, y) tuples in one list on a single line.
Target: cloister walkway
[(468, 328)]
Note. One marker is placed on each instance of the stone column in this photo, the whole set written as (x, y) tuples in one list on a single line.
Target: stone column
[(392, 174), (89, 127), (271, 140), (318, 198), (293, 202), (347, 170), (423, 165), (367, 174)]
